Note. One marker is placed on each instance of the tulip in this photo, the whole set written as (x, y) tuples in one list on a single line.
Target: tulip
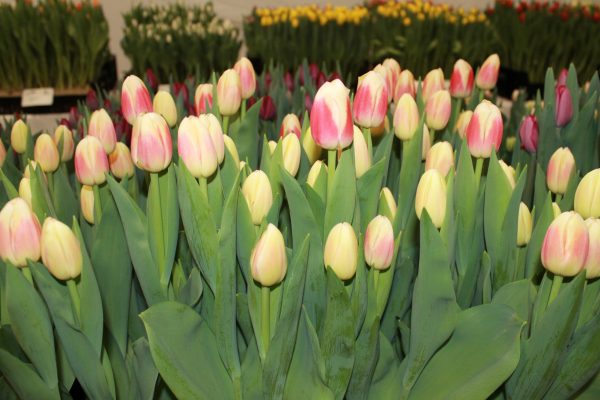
[(151, 145), (312, 149), (461, 81), (230, 144), (258, 194), (25, 190), (405, 85), (426, 146), (341, 251), (315, 172), (484, 133), (91, 162), (86, 201), (102, 127), (196, 147), (135, 99), (362, 157), (440, 157), (247, 77), (164, 105), (437, 110), (563, 106), (19, 233), (592, 261), (487, 76), (203, 98), (565, 245), (290, 124), (30, 167), (406, 118), (510, 173), (555, 210), (229, 93), (18, 136), (431, 195), (330, 117), (45, 153), (379, 243), (587, 195), (268, 260), (524, 225), (290, 146), (560, 168), (288, 80), (462, 123), (387, 204), (61, 252), (562, 77), (267, 111), (392, 76), (211, 123), (62, 134), (433, 82), (121, 164), (370, 101), (529, 132), (272, 146)]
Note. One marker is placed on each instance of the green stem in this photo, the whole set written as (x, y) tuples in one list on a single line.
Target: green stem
[(266, 318), (556, 282), (27, 274), (226, 125), (203, 186), (481, 95), (157, 208), (74, 294), (331, 155), (243, 111), (97, 204), (558, 198), (376, 279), (478, 170)]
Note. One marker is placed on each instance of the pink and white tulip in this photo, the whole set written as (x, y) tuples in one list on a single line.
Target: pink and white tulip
[(437, 110), (484, 133), (91, 162), (20, 233), (229, 92), (196, 148), (216, 134), (392, 76), (405, 84), (487, 76), (203, 98), (121, 164), (440, 157), (370, 101), (45, 153), (565, 245), (461, 81), (247, 77), (135, 99), (102, 127), (560, 168), (563, 106), (529, 132), (330, 117), (290, 124), (406, 117), (379, 243), (151, 145), (433, 82)]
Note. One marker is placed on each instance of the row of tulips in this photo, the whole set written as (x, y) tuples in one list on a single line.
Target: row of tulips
[(206, 260)]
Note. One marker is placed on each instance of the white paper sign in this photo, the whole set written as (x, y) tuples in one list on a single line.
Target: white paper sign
[(37, 97), (165, 87)]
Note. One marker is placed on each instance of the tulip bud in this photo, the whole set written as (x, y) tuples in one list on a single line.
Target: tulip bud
[(18, 136), (560, 168), (463, 122), (268, 260), (433, 82), (362, 158), (164, 105), (45, 153), (135, 99), (151, 145), (437, 110), (563, 106), (121, 164), (392, 76), (290, 124), (406, 118), (565, 245), (330, 117), (229, 93), (555, 210), (312, 150), (431, 195), (229, 143), (196, 148), (587, 195), (487, 76), (379, 243), (529, 132), (440, 157), (272, 146), (484, 133), (259, 196), (405, 85), (524, 226), (216, 134), (86, 201), (510, 173), (30, 167), (91, 162), (102, 127), (370, 101), (64, 135), (562, 77), (61, 253), (341, 251), (291, 154), (247, 77), (315, 172), (203, 98), (426, 146), (461, 81), (19, 233), (267, 111), (387, 204), (592, 261), (25, 190)]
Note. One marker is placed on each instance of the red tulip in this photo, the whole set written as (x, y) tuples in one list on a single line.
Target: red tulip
[(267, 111), (563, 106)]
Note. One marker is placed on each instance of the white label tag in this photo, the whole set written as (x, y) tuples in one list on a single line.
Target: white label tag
[(165, 87), (37, 97)]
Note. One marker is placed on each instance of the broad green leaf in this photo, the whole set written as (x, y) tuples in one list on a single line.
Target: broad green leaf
[(23, 378), (141, 369), (341, 198), (518, 295), (368, 187)]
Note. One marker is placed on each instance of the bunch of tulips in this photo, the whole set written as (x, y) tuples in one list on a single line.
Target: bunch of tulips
[(377, 248)]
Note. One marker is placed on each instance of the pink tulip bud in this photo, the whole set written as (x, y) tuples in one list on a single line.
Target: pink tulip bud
[(406, 117), (484, 133), (330, 117), (406, 84), (592, 261), (563, 106), (565, 246), (487, 76), (247, 77), (437, 110), (45, 153), (91, 162), (102, 127), (258, 194), (151, 145), (433, 82), (529, 132), (203, 98), (196, 147), (63, 134), (20, 233), (362, 158), (392, 76), (379, 243), (463, 122), (370, 101), (461, 81), (440, 157), (268, 260), (86, 202), (216, 134), (562, 77), (229, 93), (61, 252), (121, 164), (135, 99), (290, 147), (341, 251), (290, 124), (164, 105), (587, 195), (560, 167), (18, 136), (431, 195)]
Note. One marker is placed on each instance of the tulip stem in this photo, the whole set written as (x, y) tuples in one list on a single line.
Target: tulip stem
[(375, 279), (368, 140), (74, 294), (478, 170), (27, 274), (266, 317), (556, 282), (558, 198), (97, 204), (225, 124), (331, 157), (203, 186), (243, 111)]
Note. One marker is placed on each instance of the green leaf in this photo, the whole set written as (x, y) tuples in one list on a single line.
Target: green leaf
[(23, 378), (518, 295), (368, 187), (63, 197), (366, 356), (141, 369), (544, 215), (341, 198), (410, 173), (244, 134)]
